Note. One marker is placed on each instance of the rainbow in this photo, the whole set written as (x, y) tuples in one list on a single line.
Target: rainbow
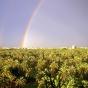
[(26, 33)]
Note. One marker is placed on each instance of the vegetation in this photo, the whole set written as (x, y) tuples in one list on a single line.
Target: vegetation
[(44, 68)]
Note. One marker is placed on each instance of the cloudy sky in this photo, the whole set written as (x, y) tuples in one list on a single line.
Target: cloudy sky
[(57, 23)]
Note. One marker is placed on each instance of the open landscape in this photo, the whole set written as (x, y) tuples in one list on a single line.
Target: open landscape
[(43, 43)]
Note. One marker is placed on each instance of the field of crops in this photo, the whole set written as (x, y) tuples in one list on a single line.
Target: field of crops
[(44, 68)]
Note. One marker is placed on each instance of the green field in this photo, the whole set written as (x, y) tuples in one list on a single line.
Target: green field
[(44, 68)]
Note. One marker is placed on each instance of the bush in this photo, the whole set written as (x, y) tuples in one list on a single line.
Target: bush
[(44, 68)]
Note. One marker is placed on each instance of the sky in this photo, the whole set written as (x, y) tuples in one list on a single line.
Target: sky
[(57, 23)]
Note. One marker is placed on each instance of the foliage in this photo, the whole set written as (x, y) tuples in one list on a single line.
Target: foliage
[(44, 68)]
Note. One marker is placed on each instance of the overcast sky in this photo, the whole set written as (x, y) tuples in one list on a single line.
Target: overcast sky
[(58, 23)]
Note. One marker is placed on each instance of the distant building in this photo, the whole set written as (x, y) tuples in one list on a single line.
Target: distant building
[(73, 46)]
